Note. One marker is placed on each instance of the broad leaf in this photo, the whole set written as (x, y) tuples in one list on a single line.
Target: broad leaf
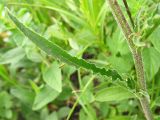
[(63, 112), (24, 95), (118, 41), (151, 59), (55, 51), (116, 93), (52, 116), (122, 64), (12, 56), (5, 100), (45, 95), (52, 76), (155, 39)]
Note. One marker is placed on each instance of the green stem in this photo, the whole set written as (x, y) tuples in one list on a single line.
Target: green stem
[(128, 12), (123, 24), (79, 99)]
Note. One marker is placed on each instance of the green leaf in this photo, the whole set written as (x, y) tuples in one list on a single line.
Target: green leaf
[(52, 76), (12, 56), (118, 41), (5, 100), (116, 93), (149, 29), (33, 55), (52, 116), (121, 118), (55, 51), (5, 75), (45, 95), (91, 9), (155, 39), (73, 44), (122, 64), (24, 95), (63, 112), (151, 59), (5, 113)]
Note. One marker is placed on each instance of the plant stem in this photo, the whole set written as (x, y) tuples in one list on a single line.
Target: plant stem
[(123, 24), (128, 12)]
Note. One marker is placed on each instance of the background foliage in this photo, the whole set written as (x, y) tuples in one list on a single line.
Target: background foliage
[(35, 86)]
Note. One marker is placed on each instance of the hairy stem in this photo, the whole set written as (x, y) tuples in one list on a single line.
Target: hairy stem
[(123, 24)]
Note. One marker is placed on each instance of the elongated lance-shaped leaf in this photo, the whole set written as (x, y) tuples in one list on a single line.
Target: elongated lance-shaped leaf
[(57, 52)]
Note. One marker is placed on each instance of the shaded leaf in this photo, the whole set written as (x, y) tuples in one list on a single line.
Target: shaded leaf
[(118, 41), (24, 95)]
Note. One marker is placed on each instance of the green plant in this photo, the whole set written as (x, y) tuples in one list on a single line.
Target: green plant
[(44, 76), (136, 53)]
